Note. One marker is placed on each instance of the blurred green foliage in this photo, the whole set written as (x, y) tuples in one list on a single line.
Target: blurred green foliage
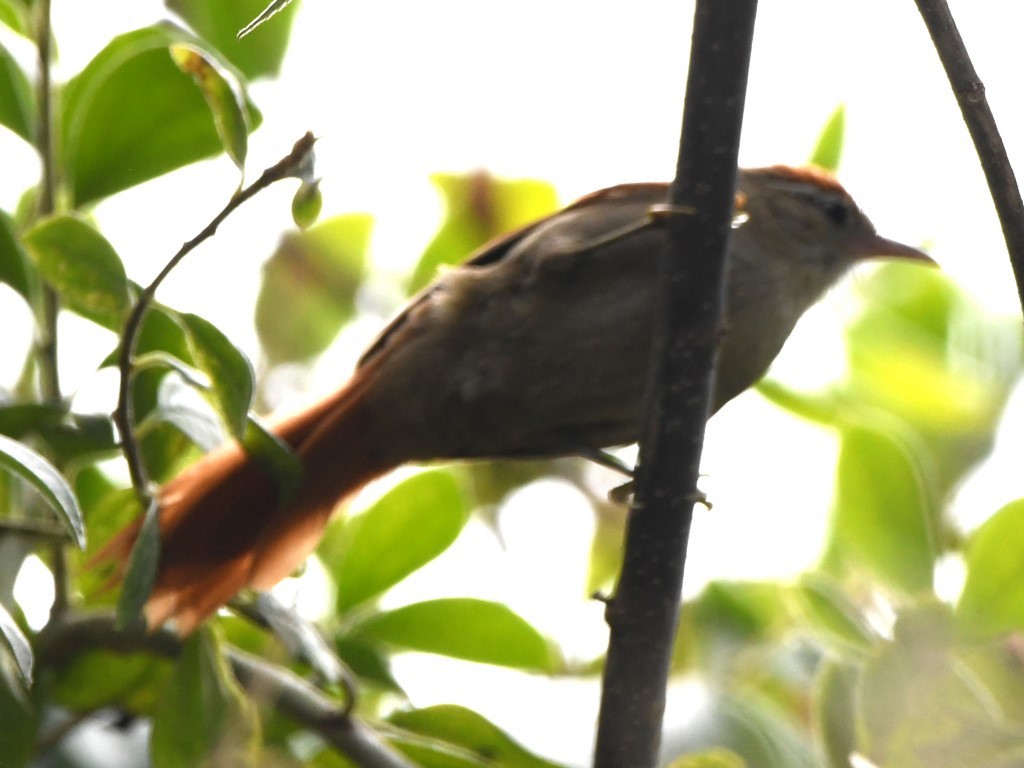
[(479, 207), (859, 656)]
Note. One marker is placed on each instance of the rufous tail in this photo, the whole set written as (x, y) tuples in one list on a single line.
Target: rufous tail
[(223, 525)]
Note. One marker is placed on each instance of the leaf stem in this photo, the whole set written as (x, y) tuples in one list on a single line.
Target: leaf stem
[(45, 344), (46, 333)]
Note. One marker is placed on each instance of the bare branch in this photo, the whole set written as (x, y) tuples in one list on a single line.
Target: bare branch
[(296, 164), (970, 95), (643, 614)]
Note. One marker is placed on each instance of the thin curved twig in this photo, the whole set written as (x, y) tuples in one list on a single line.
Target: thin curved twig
[(295, 164), (970, 96)]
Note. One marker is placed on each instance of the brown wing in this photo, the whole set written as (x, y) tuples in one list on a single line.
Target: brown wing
[(498, 248), (492, 251)]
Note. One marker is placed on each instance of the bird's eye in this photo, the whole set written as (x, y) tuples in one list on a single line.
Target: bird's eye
[(837, 213)]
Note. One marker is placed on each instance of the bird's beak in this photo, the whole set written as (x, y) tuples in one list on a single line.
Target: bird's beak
[(877, 247)]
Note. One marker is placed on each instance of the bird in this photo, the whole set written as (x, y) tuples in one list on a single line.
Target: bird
[(539, 345)]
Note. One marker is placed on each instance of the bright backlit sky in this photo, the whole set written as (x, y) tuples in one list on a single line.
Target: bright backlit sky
[(584, 94)]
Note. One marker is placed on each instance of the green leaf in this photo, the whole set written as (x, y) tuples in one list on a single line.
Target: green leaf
[(753, 727), (161, 335), (166, 451), (302, 638), (368, 553), (227, 106), (306, 204), (463, 628), (19, 420), (316, 274), (725, 618), (17, 104), (162, 332), (176, 406), (478, 208), (470, 731), (140, 572), (425, 753), (882, 520), (998, 671), (17, 645), (819, 407), (41, 475), (992, 602), (163, 122), (919, 707), (829, 149), (368, 663), (83, 267), (79, 436), (834, 703), (92, 679), (15, 268), (230, 372), (15, 14), (21, 720), (833, 614), (108, 509), (219, 22), (204, 719), (275, 457), (928, 353)]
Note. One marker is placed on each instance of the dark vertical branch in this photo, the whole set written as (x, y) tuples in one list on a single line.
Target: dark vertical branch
[(644, 612), (970, 95)]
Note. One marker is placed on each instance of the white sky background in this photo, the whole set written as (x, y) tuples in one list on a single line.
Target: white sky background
[(583, 94)]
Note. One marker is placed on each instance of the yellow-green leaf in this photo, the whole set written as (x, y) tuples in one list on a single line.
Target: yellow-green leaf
[(219, 22), (478, 207), (463, 628), (829, 148), (992, 602), (82, 266), (163, 122), (306, 204), (44, 477), (316, 274), (230, 371), (371, 552), (882, 519), (227, 105), (204, 719)]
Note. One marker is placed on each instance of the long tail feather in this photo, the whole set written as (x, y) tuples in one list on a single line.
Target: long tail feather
[(223, 527)]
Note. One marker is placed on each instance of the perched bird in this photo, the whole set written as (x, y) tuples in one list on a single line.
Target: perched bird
[(539, 345)]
